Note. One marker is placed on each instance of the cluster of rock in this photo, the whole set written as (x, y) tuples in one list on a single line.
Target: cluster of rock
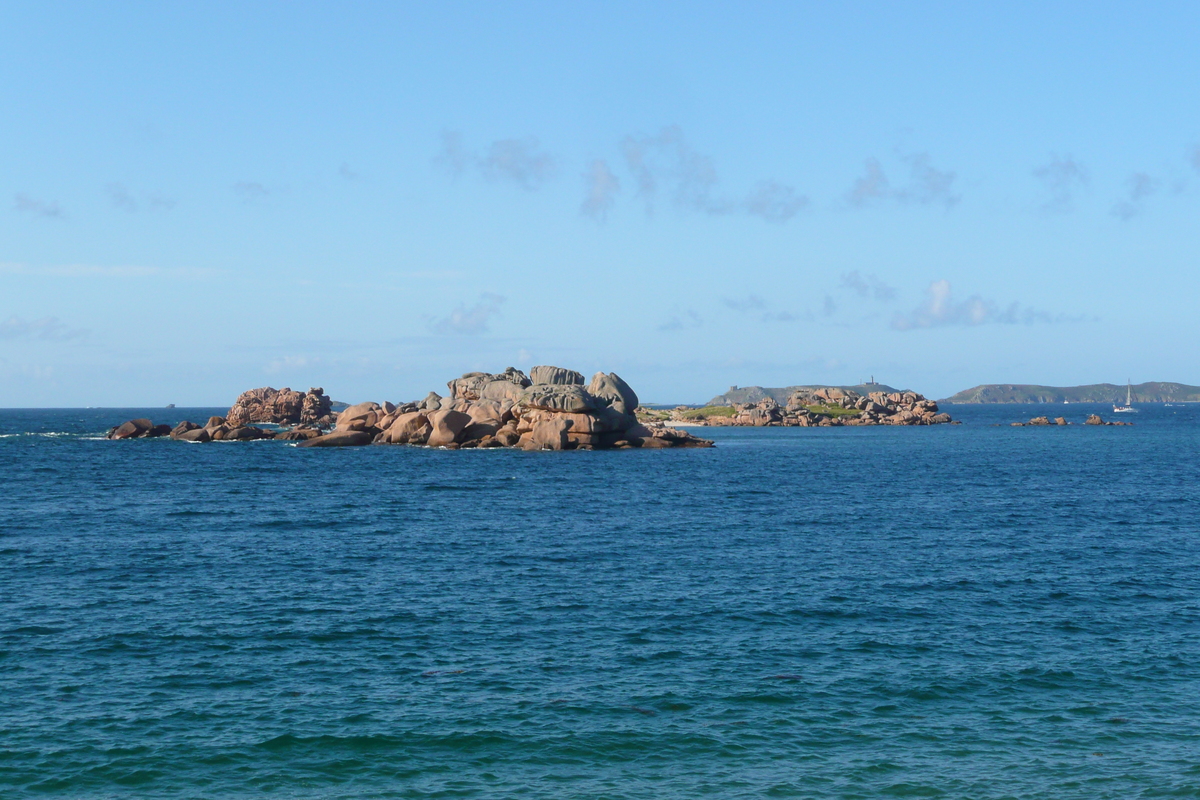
[(815, 407), (139, 429), (551, 409), (281, 407), (1038, 421), (1093, 419)]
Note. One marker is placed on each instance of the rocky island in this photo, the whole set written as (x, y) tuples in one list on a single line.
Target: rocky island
[(806, 407), (550, 409), (1150, 392)]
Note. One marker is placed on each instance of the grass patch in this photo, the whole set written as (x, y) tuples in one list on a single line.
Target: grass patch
[(708, 411), (834, 411)]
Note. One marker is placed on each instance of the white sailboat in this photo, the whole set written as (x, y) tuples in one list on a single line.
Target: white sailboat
[(1128, 407)]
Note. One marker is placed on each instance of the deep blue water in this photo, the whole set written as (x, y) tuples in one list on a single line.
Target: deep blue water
[(972, 611)]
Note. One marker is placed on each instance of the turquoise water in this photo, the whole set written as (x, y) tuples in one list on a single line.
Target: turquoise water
[(958, 611)]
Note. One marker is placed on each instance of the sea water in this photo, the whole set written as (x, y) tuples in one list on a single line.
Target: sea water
[(974, 611)]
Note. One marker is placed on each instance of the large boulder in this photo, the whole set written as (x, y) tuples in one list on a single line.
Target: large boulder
[(408, 428), (359, 417), (501, 386), (555, 376), (183, 428), (549, 433), (339, 439), (195, 435), (609, 391), (445, 426), (298, 434), (246, 433), (570, 398), (133, 429)]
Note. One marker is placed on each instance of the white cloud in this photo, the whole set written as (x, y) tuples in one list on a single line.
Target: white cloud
[(1138, 187), (251, 190), (754, 306), (453, 157), (1062, 175), (469, 321), (872, 185), (601, 188), (941, 309), (120, 197), (775, 202), (926, 185), (518, 160), (41, 208), (681, 320), (867, 286), (667, 159), (48, 329)]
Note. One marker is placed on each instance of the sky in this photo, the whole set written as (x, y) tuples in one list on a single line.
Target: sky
[(201, 198)]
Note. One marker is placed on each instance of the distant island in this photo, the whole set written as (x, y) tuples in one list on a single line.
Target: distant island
[(1150, 392), (756, 394)]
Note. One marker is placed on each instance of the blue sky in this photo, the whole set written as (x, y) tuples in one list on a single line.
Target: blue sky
[(197, 199)]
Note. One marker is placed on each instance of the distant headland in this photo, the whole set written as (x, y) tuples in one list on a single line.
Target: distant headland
[(1150, 392)]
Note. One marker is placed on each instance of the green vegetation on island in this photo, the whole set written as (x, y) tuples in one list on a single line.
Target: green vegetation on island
[(832, 410), (756, 394), (1150, 392)]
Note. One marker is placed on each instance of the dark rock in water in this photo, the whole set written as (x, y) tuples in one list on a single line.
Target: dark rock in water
[(133, 429), (246, 433), (183, 428), (298, 434), (1094, 419), (340, 439), (195, 435), (1040, 421), (139, 429)]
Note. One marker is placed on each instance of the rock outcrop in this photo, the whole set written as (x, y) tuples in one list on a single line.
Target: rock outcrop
[(825, 407), (280, 407), (139, 429), (1095, 419), (553, 410)]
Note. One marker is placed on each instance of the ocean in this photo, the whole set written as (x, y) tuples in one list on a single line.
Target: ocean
[(971, 611)]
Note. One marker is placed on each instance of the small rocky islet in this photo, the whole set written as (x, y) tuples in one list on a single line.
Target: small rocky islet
[(829, 406), (549, 409)]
